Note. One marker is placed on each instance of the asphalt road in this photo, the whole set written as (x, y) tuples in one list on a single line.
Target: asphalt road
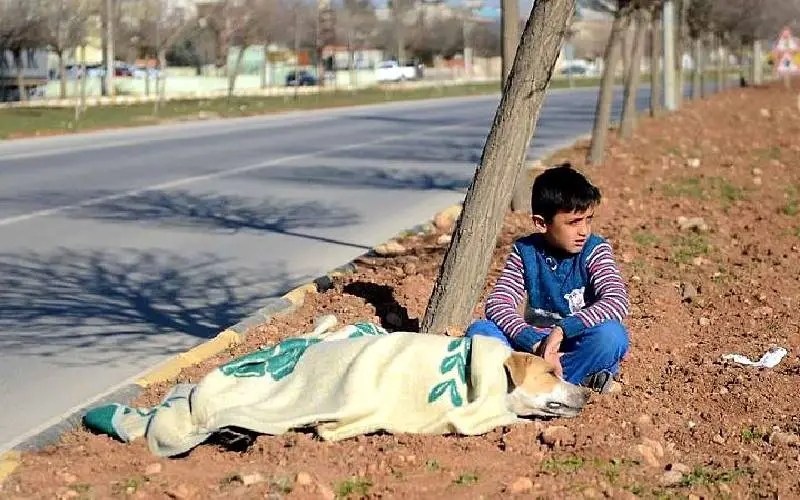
[(119, 249)]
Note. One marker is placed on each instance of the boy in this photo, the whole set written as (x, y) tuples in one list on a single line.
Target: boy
[(576, 298)]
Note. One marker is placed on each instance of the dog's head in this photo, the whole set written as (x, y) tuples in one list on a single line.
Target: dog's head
[(535, 390)]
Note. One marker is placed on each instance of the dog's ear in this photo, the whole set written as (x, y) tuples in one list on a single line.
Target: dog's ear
[(517, 365)]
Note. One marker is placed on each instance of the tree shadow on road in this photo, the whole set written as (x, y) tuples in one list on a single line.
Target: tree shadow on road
[(104, 305)]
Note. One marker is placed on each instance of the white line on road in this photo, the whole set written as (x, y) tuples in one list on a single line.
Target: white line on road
[(222, 173)]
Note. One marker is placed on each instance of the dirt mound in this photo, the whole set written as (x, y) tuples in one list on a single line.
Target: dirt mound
[(702, 210)]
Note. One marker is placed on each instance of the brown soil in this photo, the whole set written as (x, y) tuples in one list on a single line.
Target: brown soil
[(725, 430)]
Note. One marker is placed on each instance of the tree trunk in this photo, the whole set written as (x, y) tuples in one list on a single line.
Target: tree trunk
[(655, 56), (235, 72), (62, 72), (634, 75), (722, 66), (462, 275), (697, 74), (680, 49), (602, 114), (509, 25), (161, 82), (147, 81), (627, 44), (84, 82), (264, 67), (758, 69)]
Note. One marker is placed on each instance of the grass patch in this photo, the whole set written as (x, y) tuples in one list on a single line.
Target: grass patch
[(704, 476), (686, 247), (612, 468), (432, 465), (564, 465), (689, 187), (792, 205), (467, 478), (727, 192), (750, 434), (353, 486), (281, 484), (21, 122), (645, 238), (129, 486)]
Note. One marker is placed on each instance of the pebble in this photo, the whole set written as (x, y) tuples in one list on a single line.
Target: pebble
[(693, 496), (251, 478), (556, 435), (671, 477), (703, 321), (757, 181), (718, 439), (692, 224), (765, 113), (693, 162), (521, 485), (688, 292), (444, 239), (788, 438), (757, 172), (153, 469), (723, 390), (303, 479), (410, 268), (677, 466), (390, 248), (179, 492)]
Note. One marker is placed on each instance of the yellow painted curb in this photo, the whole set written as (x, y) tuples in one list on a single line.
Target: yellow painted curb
[(173, 367), (298, 295), (9, 461)]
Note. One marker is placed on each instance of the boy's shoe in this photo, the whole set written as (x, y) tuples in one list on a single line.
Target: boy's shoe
[(602, 382)]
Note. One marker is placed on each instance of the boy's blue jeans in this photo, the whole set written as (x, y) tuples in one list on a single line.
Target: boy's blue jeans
[(598, 348)]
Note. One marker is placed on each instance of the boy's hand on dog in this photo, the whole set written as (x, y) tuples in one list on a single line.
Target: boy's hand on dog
[(550, 348)]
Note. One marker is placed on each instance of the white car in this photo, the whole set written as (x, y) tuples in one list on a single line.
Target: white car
[(391, 71)]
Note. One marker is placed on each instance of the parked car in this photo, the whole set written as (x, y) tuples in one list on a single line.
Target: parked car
[(304, 79), (392, 71)]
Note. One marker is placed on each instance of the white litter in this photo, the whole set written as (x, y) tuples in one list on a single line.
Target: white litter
[(769, 360)]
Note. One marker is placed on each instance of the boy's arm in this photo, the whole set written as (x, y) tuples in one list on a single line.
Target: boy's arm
[(609, 288), (503, 302)]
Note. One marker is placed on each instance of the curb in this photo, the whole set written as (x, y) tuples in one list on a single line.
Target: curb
[(233, 335)]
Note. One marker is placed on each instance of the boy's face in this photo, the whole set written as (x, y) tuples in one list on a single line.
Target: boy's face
[(568, 231)]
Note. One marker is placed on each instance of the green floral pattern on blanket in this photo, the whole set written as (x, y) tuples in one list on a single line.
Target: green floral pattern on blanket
[(279, 360), (454, 362)]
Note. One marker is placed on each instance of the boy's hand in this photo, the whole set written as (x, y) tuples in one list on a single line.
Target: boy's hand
[(550, 348)]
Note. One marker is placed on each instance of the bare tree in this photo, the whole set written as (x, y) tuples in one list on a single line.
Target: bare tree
[(65, 23), (463, 273), (642, 21), (400, 12), (21, 30), (611, 59)]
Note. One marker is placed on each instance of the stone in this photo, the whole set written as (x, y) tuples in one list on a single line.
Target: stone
[(763, 311), (390, 249), (697, 224), (757, 181), (671, 478), (179, 492), (718, 439), (765, 113), (703, 321), (68, 478), (521, 485), (153, 469), (250, 478), (682, 468), (723, 390), (303, 479), (787, 438), (693, 496), (325, 492), (444, 239), (688, 292), (410, 268), (446, 219), (693, 162), (648, 455), (757, 172), (556, 435)]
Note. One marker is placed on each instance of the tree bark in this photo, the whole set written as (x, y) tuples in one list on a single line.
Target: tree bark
[(602, 114), (655, 56), (633, 77), (722, 65), (680, 48), (462, 275), (509, 22), (697, 74)]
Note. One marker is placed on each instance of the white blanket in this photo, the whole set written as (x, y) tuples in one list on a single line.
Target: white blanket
[(354, 381)]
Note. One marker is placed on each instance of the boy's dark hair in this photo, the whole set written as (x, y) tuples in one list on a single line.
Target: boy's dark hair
[(562, 189)]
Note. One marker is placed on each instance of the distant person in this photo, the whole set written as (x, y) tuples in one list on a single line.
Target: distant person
[(575, 294)]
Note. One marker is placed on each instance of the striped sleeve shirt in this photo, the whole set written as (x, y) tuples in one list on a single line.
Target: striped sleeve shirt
[(604, 277)]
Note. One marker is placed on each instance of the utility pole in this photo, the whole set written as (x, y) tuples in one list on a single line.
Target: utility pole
[(668, 37), (109, 80)]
